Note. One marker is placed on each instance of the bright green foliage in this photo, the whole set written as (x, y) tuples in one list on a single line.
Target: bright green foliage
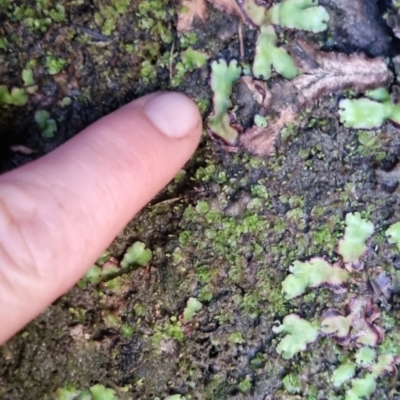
[(193, 59), (291, 384), (27, 77), (96, 392), (299, 333), (385, 363), (100, 392), (17, 97), (300, 14), (222, 78), (393, 234), (369, 113), (245, 385), (136, 255), (365, 356), (343, 373), (175, 397), (358, 230), (192, 307), (268, 55), (55, 64), (93, 275), (236, 338), (3, 43), (46, 124), (361, 388), (312, 273)]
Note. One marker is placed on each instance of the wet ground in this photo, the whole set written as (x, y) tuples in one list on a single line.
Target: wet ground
[(224, 232)]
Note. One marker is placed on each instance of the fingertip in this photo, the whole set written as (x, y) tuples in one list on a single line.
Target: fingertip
[(174, 114)]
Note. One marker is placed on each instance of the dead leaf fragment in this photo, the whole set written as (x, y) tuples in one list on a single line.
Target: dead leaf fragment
[(355, 326), (323, 73), (189, 11)]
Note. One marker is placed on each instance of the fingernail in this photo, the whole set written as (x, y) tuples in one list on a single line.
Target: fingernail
[(174, 114)]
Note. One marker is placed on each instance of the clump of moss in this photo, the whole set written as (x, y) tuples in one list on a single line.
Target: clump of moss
[(393, 234)]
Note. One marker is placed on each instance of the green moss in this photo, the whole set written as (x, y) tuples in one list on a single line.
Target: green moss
[(136, 255), (47, 125), (245, 385), (291, 383), (17, 97), (54, 64), (236, 338)]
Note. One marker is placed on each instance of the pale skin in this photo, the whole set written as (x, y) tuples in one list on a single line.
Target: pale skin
[(58, 213)]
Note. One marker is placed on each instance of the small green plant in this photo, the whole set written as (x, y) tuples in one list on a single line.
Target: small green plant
[(136, 255), (55, 64), (96, 392), (393, 234), (222, 77), (300, 14), (312, 274), (291, 383), (192, 307), (299, 334), (269, 56), (47, 125), (369, 112), (343, 373), (17, 96), (357, 231)]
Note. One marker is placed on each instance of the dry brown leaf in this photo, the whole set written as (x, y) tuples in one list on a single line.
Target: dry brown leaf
[(259, 90), (323, 73), (261, 141), (189, 11)]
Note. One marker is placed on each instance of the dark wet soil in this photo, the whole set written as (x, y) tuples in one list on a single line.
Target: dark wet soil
[(225, 232)]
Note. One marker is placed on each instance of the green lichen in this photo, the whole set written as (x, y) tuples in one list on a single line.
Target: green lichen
[(369, 113), (222, 77), (269, 56), (136, 255), (299, 333), (192, 307), (47, 125), (365, 356), (312, 273), (343, 373), (300, 14), (393, 234), (357, 231), (361, 388)]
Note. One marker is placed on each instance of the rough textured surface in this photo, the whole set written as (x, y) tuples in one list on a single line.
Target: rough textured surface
[(224, 232)]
